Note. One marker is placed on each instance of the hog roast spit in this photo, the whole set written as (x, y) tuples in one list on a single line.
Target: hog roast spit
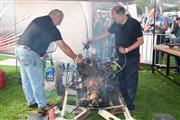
[(96, 87)]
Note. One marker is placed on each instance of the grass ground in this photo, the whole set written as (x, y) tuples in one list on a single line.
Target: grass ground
[(4, 57), (156, 95)]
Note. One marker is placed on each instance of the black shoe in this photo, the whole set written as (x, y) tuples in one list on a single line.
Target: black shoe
[(46, 108), (131, 107), (35, 105), (177, 71)]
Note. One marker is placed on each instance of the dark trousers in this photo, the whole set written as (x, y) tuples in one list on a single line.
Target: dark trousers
[(128, 80), (177, 59), (160, 40), (177, 63)]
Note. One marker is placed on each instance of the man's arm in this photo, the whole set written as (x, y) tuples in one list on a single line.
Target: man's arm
[(172, 30), (138, 43), (135, 45), (172, 27), (146, 28), (68, 51), (163, 27), (148, 24), (99, 37)]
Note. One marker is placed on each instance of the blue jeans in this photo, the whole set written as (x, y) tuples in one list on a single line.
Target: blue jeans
[(31, 68)]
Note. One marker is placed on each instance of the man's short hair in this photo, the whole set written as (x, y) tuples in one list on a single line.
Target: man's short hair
[(119, 10), (57, 12)]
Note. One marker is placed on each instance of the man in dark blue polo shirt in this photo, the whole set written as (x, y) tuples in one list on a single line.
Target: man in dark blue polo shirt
[(128, 38), (32, 45)]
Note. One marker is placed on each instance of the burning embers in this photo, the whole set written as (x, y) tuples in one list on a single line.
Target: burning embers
[(93, 85), (97, 82)]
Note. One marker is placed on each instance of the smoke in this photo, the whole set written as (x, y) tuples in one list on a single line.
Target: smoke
[(98, 83)]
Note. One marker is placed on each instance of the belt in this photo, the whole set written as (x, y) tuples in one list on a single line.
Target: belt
[(24, 46)]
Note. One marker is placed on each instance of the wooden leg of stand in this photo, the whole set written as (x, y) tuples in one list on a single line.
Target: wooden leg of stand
[(64, 103), (107, 115), (125, 109), (83, 115)]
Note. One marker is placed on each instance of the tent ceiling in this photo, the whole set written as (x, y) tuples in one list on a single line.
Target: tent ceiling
[(85, 0), (125, 1), (166, 2)]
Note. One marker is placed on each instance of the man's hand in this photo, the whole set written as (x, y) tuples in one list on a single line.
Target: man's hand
[(99, 37), (45, 56), (158, 27), (78, 59), (174, 19), (91, 41), (122, 50)]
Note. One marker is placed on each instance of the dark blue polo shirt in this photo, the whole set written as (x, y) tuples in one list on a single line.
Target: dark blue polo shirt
[(39, 34), (126, 35)]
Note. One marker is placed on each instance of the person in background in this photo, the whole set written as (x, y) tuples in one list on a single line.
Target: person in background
[(128, 38), (31, 46), (175, 29), (160, 22), (144, 19), (98, 28), (160, 28)]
